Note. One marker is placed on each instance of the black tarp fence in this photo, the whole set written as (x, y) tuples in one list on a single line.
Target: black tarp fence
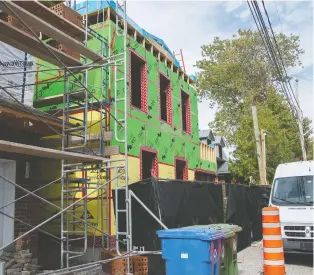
[(178, 203), (185, 203), (244, 208)]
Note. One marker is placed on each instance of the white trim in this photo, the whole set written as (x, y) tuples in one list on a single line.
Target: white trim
[(270, 213), (274, 263), (7, 194), (272, 237), (273, 250), (271, 225)]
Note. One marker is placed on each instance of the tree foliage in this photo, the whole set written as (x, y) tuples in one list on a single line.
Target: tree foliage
[(236, 74)]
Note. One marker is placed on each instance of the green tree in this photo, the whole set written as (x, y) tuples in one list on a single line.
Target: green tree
[(236, 74)]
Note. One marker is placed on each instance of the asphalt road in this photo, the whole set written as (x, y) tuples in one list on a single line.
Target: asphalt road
[(250, 262)]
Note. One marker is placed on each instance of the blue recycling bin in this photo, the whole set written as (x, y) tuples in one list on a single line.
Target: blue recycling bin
[(191, 250)]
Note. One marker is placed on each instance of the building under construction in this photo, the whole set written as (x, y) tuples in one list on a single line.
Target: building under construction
[(113, 107)]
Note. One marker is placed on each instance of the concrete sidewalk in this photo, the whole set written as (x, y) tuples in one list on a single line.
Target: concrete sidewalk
[(250, 262)]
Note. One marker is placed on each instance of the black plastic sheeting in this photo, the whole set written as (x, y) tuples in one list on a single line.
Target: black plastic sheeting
[(244, 208), (185, 203), (178, 204)]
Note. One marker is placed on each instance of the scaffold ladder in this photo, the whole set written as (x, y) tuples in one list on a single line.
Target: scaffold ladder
[(121, 99)]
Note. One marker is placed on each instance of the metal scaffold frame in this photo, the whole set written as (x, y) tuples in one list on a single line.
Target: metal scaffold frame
[(87, 102), (76, 146)]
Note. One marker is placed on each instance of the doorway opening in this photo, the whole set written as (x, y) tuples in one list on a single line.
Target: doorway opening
[(181, 169)]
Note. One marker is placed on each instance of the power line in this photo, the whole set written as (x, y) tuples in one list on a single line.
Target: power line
[(273, 50), (272, 53), (278, 16), (280, 56), (261, 29)]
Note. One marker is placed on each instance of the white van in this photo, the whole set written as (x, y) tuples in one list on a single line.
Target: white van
[(292, 193)]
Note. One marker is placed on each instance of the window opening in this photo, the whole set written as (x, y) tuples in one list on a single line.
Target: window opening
[(165, 99), (185, 112), (181, 169), (149, 165), (201, 176), (138, 75)]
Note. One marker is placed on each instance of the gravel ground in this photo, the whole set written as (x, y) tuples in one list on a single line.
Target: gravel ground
[(250, 262)]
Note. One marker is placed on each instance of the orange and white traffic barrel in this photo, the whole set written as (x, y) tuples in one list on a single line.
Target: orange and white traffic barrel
[(274, 262)]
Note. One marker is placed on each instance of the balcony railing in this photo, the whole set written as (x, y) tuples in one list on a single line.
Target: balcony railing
[(207, 152)]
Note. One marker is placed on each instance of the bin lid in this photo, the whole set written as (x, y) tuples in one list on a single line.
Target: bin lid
[(229, 230), (191, 233)]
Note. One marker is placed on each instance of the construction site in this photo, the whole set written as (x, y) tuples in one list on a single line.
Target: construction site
[(102, 147)]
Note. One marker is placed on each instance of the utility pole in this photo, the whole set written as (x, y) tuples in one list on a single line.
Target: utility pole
[(258, 143), (263, 157), (299, 120)]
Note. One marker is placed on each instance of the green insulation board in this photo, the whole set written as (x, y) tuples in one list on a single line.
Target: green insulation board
[(144, 128)]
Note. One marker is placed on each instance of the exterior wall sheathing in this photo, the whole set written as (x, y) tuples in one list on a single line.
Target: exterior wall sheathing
[(145, 127)]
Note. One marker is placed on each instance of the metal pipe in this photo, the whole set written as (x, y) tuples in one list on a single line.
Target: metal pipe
[(117, 212), (88, 265), (32, 84), (30, 193), (55, 56), (130, 219), (55, 215), (88, 65), (116, 106), (98, 263), (125, 90), (85, 215), (62, 176), (147, 209), (101, 262), (125, 28), (78, 169)]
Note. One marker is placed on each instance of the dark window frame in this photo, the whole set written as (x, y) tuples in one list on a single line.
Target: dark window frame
[(187, 112)]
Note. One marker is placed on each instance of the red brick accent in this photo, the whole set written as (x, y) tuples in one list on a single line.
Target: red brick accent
[(144, 88), (188, 117), (169, 100), (169, 105), (188, 114)]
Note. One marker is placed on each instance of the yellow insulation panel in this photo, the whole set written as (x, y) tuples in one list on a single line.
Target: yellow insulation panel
[(53, 194)]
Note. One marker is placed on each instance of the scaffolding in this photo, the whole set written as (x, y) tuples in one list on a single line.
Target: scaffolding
[(76, 140), (81, 151)]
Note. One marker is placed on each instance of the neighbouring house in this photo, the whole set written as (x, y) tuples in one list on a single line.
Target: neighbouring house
[(208, 152), (222, 160), (207, 137)]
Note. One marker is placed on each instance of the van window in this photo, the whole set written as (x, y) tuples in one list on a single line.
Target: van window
[(293, 191)]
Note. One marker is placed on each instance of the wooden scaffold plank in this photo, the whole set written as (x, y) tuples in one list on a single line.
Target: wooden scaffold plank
[(41, 11), (19, 148), (40, 25), (58, 99), (25, 42)]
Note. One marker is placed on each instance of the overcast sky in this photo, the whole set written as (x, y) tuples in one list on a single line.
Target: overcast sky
[(188, 25)]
